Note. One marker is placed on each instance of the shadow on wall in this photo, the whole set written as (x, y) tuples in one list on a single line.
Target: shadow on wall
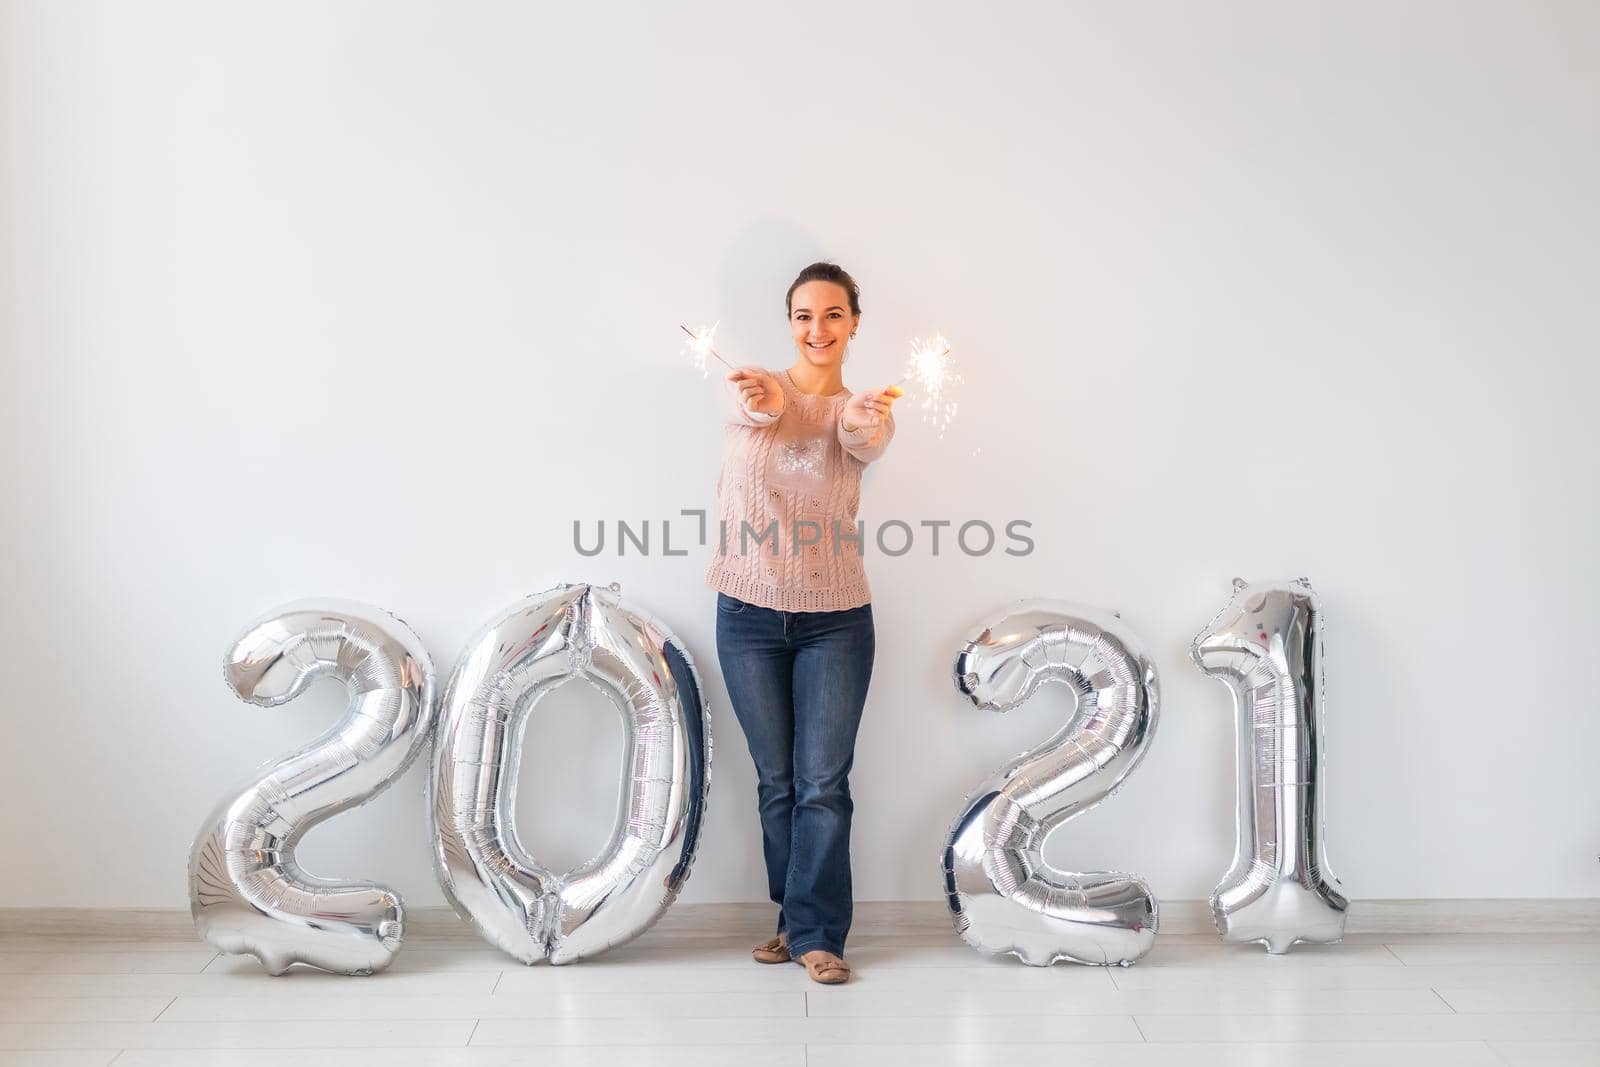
[(755, 273)]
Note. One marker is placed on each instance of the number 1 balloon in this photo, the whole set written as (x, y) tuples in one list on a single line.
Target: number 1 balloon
[(571, 632), (1003, 896), (246, 892), (1266, 644)]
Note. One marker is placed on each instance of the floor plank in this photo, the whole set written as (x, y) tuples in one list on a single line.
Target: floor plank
[(1524, 999), (1453, 1027), (281, 1035), (902, 974), (76, 1058), (811, 1031), (297, 982), (1423, 954), (573, 1056), (158, 962), (82, 1009), (1374, 1054), (547, 1005), (1292, 976), (855, 1003), (1548, 1053)]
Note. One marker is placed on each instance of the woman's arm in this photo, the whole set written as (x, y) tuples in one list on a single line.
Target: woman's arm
[(866, 425)]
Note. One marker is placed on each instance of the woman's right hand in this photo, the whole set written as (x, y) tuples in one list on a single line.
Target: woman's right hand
[(759, 391)]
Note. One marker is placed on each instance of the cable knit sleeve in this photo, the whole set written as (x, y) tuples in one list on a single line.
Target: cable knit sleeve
[(867, 445), (735, 411)]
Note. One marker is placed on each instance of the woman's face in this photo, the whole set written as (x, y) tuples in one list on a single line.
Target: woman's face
[(820, 319)]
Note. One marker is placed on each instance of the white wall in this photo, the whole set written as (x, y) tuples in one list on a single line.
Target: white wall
[(375, 301)]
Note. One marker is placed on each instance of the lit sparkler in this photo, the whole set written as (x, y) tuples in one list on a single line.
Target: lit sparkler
[(699, 346), (930, 372)]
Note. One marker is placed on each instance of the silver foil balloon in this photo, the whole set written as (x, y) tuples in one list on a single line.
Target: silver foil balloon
[(246, 892), (1003, 896), (1266, 644), (573, 631)]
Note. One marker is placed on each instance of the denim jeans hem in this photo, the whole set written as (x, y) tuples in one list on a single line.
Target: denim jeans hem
[(796, 951)]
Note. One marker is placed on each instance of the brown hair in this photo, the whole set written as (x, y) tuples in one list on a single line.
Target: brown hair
[(823, 271)]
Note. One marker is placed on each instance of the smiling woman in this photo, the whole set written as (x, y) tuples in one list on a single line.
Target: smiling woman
[(794, 620)]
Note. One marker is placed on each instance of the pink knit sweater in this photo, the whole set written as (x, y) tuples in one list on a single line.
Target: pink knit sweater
[(801, 471)]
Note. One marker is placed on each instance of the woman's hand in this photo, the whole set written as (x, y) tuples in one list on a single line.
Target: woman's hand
[(864, 411), (759, 391)]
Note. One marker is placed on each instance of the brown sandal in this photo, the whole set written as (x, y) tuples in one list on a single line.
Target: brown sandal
[(825, 967), (774, 951)]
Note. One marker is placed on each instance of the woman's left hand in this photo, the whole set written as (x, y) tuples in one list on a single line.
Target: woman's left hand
[(867, 410)]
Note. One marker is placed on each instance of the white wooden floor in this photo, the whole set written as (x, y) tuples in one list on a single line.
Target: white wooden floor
[(681, 995)]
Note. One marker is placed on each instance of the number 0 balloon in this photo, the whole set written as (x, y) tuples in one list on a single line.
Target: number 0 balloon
[(571, 632), (246, 892), (1002, 894), (1266, 644)]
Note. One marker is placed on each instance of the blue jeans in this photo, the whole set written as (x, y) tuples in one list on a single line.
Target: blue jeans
[(798, 680)]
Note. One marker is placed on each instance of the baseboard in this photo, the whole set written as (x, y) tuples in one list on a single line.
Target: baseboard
[(911, 918)]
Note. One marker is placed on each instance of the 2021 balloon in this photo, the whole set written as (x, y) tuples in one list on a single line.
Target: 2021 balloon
[(1003, 896), (570, 632), (246, 892), (1266, 644)]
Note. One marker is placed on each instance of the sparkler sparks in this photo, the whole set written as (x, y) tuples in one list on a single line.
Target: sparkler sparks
[(699, 347), (931, 373)]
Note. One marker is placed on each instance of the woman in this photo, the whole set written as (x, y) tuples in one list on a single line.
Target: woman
[(794, 618)]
